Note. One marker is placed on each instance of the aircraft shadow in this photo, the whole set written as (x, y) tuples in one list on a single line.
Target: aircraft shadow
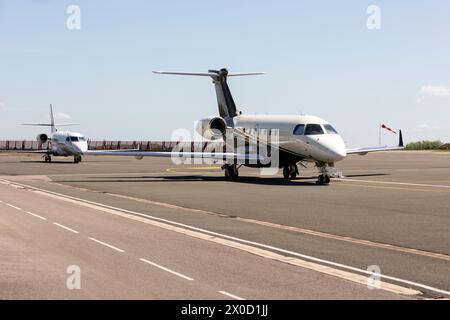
[(53, 162), (273, 181)]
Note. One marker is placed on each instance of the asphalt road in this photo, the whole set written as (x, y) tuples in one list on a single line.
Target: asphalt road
[(391, 211)]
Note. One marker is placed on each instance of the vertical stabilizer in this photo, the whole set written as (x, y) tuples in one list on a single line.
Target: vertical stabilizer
[(52, 120)]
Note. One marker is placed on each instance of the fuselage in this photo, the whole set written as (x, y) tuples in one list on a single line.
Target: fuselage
[(307, 137), (66, 143)]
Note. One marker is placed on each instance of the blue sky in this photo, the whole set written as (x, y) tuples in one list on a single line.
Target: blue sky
[(319, 56)]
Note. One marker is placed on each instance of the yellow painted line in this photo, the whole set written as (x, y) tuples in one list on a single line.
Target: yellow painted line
[(191, 169)]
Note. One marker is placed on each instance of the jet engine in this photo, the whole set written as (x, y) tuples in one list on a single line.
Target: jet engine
[(212, 128), (42, 137)]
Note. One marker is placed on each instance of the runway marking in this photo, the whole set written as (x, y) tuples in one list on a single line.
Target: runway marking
[(296, 229), (36, 215), (14, 207), (349, 239), (166, 269), (316, 264), (106, 245), (64, 227), (392, 188), (195, 168), (231, 295), (396, 183)]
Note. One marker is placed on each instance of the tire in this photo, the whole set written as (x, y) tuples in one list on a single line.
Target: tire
[(286, 173), (321, 179), (231, 172)]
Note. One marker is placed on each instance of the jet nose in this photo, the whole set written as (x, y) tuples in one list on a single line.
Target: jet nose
[(336, 149), (80, 147), (339, 152)]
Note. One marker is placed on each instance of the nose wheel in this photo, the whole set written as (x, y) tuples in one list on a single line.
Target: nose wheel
[(290, 172), (323, 179), (76, 159), (231, 171), (47, 158)]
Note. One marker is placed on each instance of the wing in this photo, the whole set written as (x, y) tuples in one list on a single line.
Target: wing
[(364, 151), (27, 151), (205, 155)]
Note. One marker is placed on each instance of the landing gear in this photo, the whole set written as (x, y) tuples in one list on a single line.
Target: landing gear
[(76, 159), (290, 172), (323, 179), (327, 171), (47, 158), (231, 171)]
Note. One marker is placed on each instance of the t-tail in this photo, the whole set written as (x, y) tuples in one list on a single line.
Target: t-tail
[(52, 120), (52, 124), (225, 101)]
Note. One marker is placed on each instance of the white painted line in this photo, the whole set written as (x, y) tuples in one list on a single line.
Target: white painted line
[(1, 201), (64, 227), (36, 215), (166, 269), (318, 265), (231, 295), (14, 207), (106, 244), (396, 183)]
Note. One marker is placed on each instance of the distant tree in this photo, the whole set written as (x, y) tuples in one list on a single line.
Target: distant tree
[(424, 145)]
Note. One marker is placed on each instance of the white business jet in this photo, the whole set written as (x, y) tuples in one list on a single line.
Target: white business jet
[(302, 138), (63, 143)]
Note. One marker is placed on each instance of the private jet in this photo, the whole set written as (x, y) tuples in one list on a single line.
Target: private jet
[(302, 138), (62, 143)]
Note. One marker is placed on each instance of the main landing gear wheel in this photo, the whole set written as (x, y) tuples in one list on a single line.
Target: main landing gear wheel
[(76, 159), (47, 158), (231, 171), (323, 179), (290, 172)]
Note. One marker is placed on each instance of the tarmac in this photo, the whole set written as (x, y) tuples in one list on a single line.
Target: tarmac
[(149, 229)]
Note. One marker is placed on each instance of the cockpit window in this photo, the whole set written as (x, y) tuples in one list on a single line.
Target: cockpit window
[(330, 129), (299, 129), (313, 129), (82, 138), (74, 139)]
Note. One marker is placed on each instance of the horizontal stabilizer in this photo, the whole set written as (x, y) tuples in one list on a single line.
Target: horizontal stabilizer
[(209, 74), (50, 125)]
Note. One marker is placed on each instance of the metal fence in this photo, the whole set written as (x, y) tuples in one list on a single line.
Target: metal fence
[(25, 145)]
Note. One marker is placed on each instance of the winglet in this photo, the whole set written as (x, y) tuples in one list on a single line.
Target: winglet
[(400, 139)]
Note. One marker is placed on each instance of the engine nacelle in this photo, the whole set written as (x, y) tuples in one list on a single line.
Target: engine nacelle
[(212, 128), (42, 137)]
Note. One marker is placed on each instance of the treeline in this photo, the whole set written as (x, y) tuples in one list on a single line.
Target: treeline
[(424, 145)]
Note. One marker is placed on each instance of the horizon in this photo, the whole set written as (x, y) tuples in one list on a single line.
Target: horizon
[(324, 62)]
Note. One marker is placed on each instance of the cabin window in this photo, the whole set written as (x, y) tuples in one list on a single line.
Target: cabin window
[(330, 129), (299, 129), (312, 129)]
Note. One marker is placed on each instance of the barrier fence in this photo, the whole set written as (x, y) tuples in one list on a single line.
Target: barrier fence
[(26, 145)]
